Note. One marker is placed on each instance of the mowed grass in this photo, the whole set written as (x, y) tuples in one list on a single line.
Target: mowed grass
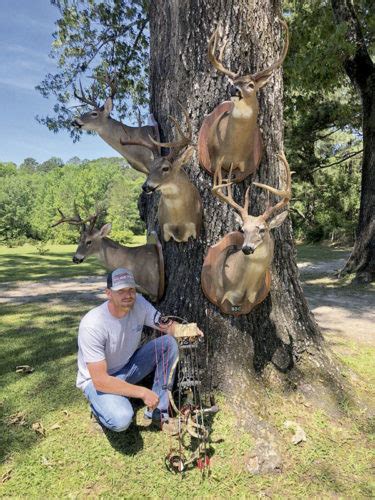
[(72, 460), (26, 264)]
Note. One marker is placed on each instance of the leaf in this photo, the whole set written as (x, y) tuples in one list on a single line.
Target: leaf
[(17, 419), (38, 428), (299, 434), (55, 426), (24, 369)]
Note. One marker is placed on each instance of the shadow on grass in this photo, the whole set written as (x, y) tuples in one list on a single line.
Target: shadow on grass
[(129, 442)]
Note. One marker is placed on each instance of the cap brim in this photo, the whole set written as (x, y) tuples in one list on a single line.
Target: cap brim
[(120, 286)]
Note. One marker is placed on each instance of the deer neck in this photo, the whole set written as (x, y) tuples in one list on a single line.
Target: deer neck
[(111, 132), (245, 109), (244, 273), (108, 253)]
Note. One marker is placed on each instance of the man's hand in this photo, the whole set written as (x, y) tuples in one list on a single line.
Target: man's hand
[(150, 399), (188, 330)]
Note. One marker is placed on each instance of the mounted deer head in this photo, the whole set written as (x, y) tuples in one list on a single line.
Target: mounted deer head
[(180, 206), (111, 131), (238, 275), (145, 261), (232, 134)]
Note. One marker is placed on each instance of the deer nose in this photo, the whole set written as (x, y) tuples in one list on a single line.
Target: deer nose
[(146, 188), (247, 250), (234, 91), (76, 260)]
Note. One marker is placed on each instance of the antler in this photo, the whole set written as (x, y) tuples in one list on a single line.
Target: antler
[(90, 100), (286, 194), (212, 58), (219, 184), (177, 145), (76, 220), (278, 63)]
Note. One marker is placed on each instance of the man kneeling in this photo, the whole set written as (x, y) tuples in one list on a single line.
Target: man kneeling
[(110, 361)]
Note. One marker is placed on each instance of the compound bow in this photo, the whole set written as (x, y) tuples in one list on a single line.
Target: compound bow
[(190, 413)]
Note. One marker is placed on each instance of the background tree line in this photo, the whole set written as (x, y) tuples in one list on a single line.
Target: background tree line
[(31, 194)]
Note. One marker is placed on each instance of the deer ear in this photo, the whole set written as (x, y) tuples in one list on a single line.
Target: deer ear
[(278, 220), (262, 81), (184, 157), (108, 105), (105, 230)]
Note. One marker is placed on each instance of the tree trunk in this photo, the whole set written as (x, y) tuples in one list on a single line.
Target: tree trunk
[(361, 71), (272, 342)]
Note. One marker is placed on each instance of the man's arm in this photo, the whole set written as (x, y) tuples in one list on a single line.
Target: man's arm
[(104, 382)]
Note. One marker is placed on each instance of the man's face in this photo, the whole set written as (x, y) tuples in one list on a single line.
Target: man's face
[(123, 299)]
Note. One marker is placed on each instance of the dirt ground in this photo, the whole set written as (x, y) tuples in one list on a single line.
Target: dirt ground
[(341, 311), (345, 311)]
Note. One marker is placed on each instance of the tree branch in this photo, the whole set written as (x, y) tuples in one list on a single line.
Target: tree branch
[(338, 161)]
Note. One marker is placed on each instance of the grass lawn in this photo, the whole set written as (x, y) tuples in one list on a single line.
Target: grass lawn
[(71, 460)]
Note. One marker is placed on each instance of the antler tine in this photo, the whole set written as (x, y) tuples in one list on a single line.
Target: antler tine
[(219, 184), (286, 193), (185, 138), (87, 100), (112, 83), (70, 220), (279, 61), (212, 58)]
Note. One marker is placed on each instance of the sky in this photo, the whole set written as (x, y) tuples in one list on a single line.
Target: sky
[(26, 28)]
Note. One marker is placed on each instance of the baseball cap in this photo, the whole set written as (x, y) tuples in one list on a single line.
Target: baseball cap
[(120, 278)]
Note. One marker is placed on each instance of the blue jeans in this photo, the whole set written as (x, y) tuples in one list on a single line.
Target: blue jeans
[(114, 411)]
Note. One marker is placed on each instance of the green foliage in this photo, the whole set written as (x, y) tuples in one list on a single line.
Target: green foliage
[(16, 201), (7, 168), (50, 164), (29, 201), (28, 166), (93, 38)]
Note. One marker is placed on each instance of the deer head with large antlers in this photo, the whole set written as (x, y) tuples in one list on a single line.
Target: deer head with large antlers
[(231, 134), (112, 131), (145, 261), (235, 274), (180, 205)]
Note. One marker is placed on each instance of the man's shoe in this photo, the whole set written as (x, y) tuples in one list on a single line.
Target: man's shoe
[(157, 416)]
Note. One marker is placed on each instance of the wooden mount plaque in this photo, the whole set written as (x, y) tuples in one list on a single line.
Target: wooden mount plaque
[(203, 154), (212, 276)]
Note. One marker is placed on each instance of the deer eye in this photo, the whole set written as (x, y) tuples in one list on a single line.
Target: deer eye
[(262, 230), (251, 85), (165, 169), (94, 113), (88, 243)]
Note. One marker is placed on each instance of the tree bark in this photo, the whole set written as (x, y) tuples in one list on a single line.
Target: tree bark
[(272, 342), (361, 71)]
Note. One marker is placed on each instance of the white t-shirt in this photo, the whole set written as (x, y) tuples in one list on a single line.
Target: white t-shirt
[(102, 336)]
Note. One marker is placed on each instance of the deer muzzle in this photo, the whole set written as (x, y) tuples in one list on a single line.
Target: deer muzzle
[(77, 260), (235, 91), (76, 123), (147, 188), (247, 249)]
